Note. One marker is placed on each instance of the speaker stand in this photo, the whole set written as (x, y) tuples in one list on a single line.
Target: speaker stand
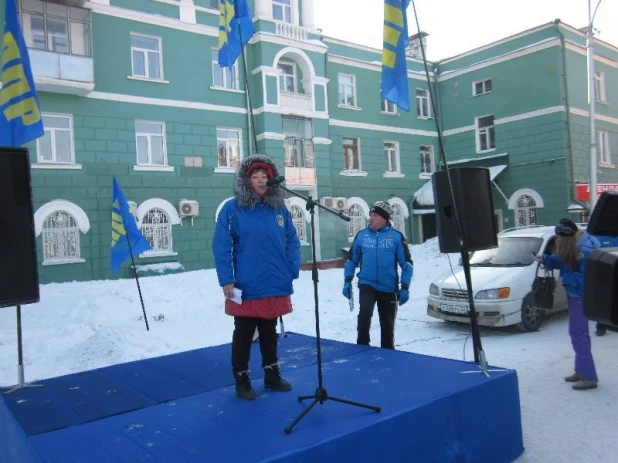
[(479, 354), (20, 361)]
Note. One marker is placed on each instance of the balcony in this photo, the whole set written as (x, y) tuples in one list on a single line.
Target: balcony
[(300, 176), (290, 31), (295, 101), (61, 72)]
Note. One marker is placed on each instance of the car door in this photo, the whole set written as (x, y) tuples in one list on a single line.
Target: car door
[(560, 302)]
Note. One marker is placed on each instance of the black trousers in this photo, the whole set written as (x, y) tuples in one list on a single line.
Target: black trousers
[(244, 327), (387, 310)]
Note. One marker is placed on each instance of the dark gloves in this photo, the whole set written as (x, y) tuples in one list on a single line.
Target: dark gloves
[(347, 289), (404, 295)]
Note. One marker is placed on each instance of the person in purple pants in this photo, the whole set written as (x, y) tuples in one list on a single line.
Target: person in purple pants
[(574, 247)]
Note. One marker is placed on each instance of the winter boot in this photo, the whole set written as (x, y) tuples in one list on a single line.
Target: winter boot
[(273, 379), (584, 384), (572, 378), (243, 386)]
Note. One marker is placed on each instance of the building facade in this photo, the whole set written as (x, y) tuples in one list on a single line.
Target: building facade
[(132, 89)]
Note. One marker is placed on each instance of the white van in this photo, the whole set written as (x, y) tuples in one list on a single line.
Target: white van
[(501, 281)]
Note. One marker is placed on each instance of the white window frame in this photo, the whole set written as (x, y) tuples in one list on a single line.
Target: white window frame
[(145, 52), (356, 144), (349, 89), (599, 86), (227, 141), (81, 224), (300, 223), (75, 42), (397, 219), (358, 220), (388, 107), (526, 214), (488, 132), (164, 227), (228, 80), (52, 133), (427, 149), (391, 153), (423, 104), (149, 138), (605, 157), (484, 90), (283, 76), (284, 6)]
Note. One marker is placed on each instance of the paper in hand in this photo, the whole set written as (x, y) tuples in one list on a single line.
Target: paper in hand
[(236, 296), (351, 300)]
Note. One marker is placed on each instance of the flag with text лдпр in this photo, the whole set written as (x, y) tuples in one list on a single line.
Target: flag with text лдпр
[(235, 30), (20, 114), (124, 230), (394, 86)]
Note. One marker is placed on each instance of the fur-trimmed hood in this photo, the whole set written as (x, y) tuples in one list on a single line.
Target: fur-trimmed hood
[(246, 196)]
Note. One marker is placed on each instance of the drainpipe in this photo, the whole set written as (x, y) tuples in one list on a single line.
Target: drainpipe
[(567, 122)]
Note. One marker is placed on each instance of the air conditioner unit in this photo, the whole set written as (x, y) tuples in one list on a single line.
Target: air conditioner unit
[(188, 208), (328, 201), (132, 208), (340, 204)]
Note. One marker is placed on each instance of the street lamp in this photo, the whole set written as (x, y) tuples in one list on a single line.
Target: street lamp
[(591, 102)]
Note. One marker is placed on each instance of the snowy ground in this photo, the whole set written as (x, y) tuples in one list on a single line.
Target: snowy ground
[(81, 326)]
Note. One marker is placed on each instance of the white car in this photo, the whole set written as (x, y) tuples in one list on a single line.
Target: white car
[(501, 282)]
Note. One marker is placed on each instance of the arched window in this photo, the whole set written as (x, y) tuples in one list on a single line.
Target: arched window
[(60, 236), (298, 218), (358, 222), (397, 218), (157, 229), (525, 212), (59, 223)]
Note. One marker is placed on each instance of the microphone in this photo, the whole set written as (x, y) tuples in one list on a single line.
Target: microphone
[(275, 181)]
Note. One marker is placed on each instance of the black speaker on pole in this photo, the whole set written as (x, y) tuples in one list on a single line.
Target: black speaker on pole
[(604, 216), (600, 286), (19, 278), (475, 209), (601, 280)]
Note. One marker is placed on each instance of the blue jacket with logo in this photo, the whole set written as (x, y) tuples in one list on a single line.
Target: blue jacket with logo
[(378, 253), (573, 280), (257, 249)]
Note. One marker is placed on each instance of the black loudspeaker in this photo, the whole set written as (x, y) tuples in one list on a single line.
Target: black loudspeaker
[(19, 278), (601, 286), (604, 217), (475, 209)]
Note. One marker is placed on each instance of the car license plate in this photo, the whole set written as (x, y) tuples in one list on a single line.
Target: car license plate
[(455, 309)]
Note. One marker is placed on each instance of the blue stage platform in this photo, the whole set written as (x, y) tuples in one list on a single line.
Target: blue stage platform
[(182, 408)]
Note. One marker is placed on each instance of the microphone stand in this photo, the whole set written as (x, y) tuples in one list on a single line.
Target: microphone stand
[(320, 395)]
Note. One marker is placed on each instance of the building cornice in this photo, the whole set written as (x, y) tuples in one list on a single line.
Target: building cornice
[(382, 128)]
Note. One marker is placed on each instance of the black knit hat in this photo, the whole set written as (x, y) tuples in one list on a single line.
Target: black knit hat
[(383, 209), (566, 227)]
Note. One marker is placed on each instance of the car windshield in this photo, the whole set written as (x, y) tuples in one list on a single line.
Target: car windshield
[(511, 252)]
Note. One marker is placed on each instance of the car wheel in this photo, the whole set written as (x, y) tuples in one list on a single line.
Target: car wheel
[(531, 316)]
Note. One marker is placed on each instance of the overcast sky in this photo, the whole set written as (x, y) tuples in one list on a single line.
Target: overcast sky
[(456, 26)]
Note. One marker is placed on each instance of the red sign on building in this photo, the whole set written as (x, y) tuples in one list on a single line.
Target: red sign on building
[(582, 191)]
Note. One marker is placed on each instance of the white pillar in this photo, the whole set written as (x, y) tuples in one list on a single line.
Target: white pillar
[(307, 19), (187, 11), (263, 9)]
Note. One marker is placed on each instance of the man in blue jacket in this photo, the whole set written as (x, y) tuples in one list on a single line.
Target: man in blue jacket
[(378, 250)]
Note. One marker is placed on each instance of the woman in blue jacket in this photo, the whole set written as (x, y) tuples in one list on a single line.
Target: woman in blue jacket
[(256, 251), (574, 247), (378, 250)]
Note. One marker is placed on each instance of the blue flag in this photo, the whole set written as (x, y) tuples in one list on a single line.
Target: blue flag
[(20, 114), (394, 67), (235, 30), (124, 229)]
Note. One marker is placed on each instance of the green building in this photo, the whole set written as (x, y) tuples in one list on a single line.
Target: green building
[(132, 89)]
